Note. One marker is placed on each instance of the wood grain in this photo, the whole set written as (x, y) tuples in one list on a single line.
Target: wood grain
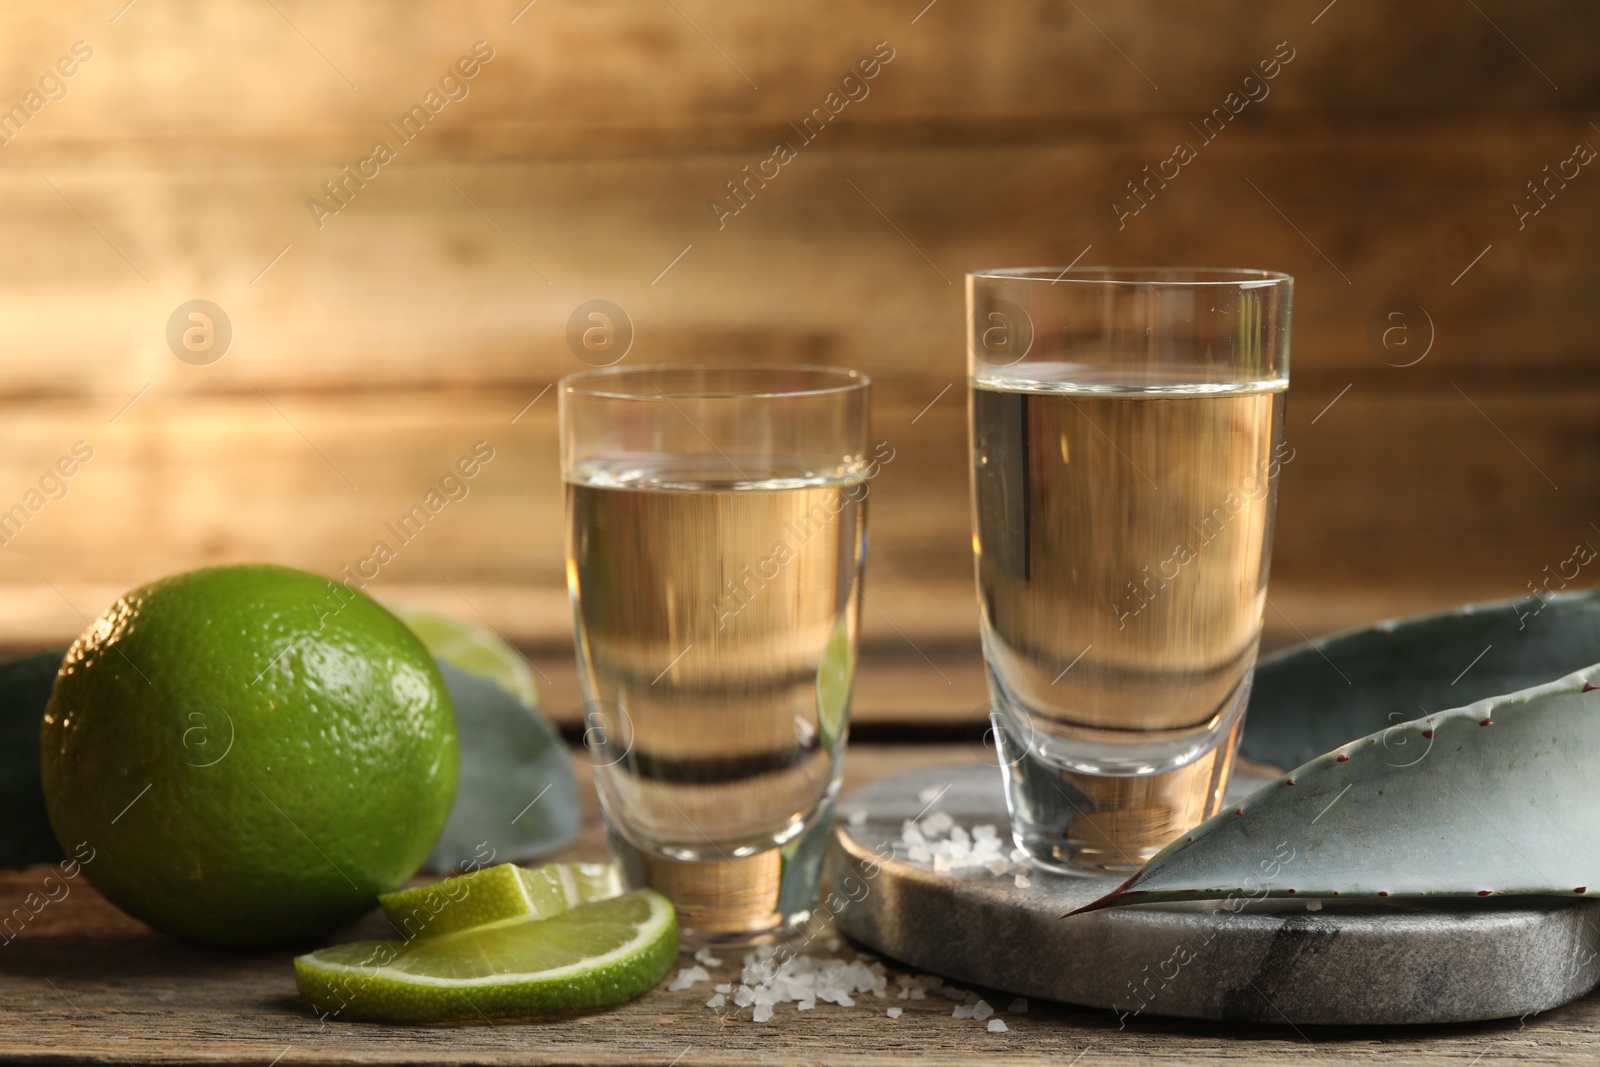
[(462, 274), (1392, 503), (297, 80), (431, 311), (81, 981)]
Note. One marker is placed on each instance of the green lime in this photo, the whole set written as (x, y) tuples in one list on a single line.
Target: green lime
[(474, 650), (250, 754), (593, 955), (834, 676), (504, 891)]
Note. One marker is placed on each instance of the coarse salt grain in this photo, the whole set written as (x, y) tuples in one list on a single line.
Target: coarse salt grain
[(857, 817), (723, 987), (930, 794), (998, 1026), (1022, 881), (771, 977), (1018, 1006), (704, 956), (938, 840), (687, 977)]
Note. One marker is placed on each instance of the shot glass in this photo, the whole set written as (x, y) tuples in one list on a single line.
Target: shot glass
[(1127, 437), (716, 533)]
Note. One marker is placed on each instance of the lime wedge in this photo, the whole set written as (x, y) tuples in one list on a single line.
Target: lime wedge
[(504, 891), (474, 650), (593, 955), (834, 675)]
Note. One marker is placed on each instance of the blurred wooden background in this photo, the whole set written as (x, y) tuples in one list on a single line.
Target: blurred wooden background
[(430, 312)]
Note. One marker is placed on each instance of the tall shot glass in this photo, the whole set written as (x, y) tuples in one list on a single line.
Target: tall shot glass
[(716, 532), (1127, 435)]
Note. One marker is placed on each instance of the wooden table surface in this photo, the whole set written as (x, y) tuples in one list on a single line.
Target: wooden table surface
[(83, 982)]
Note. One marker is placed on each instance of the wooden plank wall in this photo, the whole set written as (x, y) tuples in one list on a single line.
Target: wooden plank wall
[(372, 346)]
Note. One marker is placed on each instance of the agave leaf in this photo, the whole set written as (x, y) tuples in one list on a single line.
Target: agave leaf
[(516, 798), (1310, 698), (1492, 799)]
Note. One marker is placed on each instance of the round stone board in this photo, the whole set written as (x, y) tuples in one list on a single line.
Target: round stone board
[(1257, 960)]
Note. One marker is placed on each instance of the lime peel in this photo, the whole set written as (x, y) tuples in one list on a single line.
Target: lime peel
[(474, 650), (391, 982), (835, 675), (492, 894)]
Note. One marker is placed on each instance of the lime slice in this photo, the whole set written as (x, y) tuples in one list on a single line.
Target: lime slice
[(593, 955), (834, 675), (474, 650), (504, 891)]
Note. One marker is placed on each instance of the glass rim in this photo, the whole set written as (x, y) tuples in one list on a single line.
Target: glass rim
[(1173, 277), (591, 383)]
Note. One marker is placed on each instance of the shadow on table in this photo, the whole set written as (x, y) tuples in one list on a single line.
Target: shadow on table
[(1107, 1025)]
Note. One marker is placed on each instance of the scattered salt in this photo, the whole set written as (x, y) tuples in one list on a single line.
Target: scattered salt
[(947, 846), (1018, 1006), (1022, 881), (704, 956), (770, 978), (687, 977), (1313, 905), (930, 794), (857, 817), (998, 1026)]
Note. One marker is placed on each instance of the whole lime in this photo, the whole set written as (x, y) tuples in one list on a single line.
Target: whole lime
[(247, 756)]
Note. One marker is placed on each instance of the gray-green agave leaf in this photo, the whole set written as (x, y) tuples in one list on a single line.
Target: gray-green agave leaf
[(1496, 798)]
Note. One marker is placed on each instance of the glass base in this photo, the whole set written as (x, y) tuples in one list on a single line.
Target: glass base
[(1070, 821), (735, 901)]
